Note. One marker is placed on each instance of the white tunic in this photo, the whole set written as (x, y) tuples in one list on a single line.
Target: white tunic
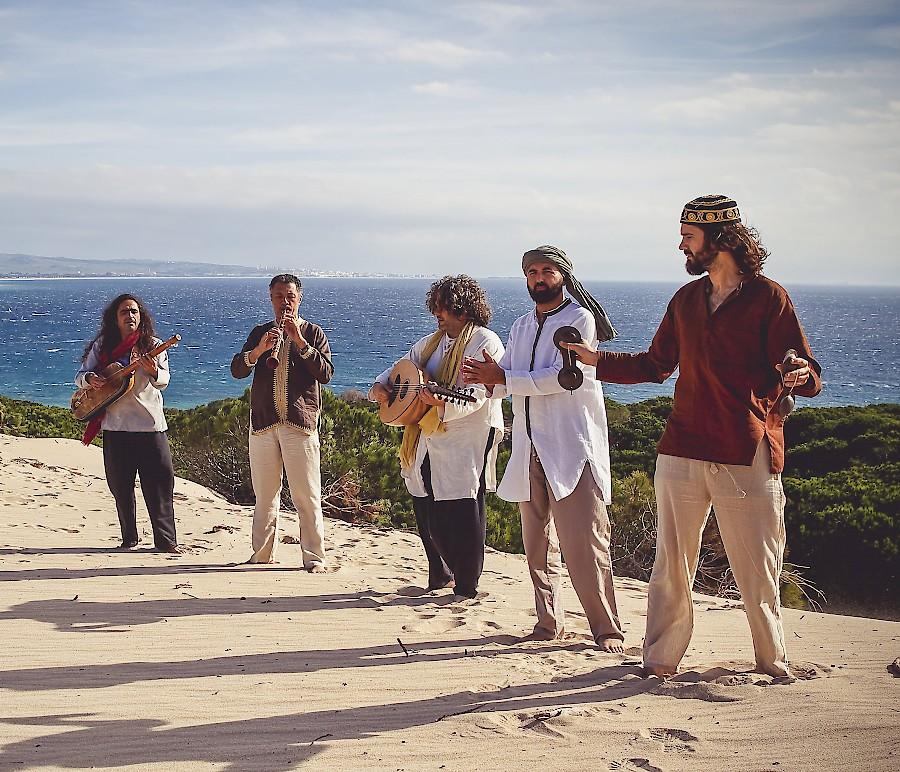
[(141, 408), (457, 455), (568, 429)]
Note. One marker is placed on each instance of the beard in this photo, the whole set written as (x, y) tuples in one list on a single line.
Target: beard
[(699, 263), (544, 293)]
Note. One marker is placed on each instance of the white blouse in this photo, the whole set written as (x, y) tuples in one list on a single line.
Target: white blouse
[(568, 429), (141, 408), (457, 455)]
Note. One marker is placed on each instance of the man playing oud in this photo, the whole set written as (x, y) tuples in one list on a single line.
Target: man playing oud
[(284, 414), (448, 459), (738, 347)]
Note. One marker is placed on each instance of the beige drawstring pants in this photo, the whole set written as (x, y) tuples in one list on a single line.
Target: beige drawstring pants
[(749, 506), (580, 525), (296, 452)]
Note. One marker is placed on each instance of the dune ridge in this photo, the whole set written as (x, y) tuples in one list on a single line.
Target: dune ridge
[(147, 661)]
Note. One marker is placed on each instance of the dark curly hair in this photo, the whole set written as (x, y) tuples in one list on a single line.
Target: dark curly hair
[(109, 335), (460, 295), (742, 242)]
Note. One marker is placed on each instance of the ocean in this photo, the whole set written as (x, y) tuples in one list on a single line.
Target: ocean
[(44, 325)]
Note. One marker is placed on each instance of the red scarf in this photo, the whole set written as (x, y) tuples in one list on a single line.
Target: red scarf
[(93, 427)]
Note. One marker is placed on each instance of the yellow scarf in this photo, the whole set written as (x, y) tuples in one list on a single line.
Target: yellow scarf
[(447, 373)]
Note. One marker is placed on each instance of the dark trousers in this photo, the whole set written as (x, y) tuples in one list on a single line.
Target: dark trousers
[(127, 454), (452, 534)]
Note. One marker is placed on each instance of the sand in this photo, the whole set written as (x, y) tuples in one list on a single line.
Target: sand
[(153, 662)]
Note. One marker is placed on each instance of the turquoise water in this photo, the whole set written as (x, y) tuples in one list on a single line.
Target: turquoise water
[(371, 322)]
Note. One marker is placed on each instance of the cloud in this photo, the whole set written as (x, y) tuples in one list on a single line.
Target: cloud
[(60, 133), (281, 137), (454, 90), (441, 53), (719, 104), (499, 16), (887, 36)]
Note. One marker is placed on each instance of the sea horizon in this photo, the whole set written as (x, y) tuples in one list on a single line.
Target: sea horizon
[(376, 276), (372, 321)]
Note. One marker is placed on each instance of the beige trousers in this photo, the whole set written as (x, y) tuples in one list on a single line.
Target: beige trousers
[(297, 453), (580, 525), (749, 505)]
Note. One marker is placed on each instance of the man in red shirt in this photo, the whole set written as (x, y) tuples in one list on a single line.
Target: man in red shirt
[(729, 334)]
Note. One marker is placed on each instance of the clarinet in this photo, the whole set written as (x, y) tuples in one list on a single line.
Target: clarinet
[(273, 358)]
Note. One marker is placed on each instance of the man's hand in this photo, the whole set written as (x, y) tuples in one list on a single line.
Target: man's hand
[(95, 381), (292, 330), (266, 343), (795, 372), (428, 397), (380, 394), (584, 353), (148, 365), (486, 372)]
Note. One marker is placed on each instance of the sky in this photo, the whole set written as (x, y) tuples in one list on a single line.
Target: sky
[(449, 137)]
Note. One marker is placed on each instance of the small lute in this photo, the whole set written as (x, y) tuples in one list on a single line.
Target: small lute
[(404, 408), (87, 402)]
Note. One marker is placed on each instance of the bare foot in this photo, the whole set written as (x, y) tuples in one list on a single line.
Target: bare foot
[(540, 634), (658, 672), (612, 645), (316, 568)]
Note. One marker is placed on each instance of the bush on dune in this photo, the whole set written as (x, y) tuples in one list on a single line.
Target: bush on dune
[(31, 419), (842, 481)]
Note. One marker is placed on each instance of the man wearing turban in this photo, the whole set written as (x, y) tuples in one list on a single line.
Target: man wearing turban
[(559, 468)]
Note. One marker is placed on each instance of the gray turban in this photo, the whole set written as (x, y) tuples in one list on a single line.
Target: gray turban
[(550, 254)]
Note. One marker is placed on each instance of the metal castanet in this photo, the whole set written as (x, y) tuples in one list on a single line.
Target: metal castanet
[(570, 377), (403, 407), (273, 358), (786, 402), (88, 402)]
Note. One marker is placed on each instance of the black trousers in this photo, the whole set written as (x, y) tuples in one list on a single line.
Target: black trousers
[(127, 454), (452, 534)]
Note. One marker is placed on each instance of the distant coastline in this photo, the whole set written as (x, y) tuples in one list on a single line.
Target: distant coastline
[(22, 267), (302, 274)]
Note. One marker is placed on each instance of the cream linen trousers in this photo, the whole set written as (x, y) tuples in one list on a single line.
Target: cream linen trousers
[(749, 506), (297, 453)]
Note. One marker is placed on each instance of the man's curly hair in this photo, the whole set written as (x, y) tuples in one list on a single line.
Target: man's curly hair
[(740, 241), (460, 295)]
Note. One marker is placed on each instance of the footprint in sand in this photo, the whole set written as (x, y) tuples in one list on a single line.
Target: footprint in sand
[(434, 626), (633, 765), (674, 740), (706, 692)]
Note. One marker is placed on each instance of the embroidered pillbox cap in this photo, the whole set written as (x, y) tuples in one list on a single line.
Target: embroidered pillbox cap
[(710, 210)]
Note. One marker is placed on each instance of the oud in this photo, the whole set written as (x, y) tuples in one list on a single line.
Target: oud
[(88, 402), (403, 407)]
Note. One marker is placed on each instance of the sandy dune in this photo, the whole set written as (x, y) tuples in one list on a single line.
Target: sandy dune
[(143, 661)]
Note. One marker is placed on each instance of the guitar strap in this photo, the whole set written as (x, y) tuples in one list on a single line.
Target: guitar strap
[(93, 427), (447, 373)]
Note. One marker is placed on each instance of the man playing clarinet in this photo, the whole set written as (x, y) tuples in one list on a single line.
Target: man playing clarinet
[(289, 358)]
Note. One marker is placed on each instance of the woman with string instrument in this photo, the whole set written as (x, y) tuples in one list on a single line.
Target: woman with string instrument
[(134, 426), (447, 458)]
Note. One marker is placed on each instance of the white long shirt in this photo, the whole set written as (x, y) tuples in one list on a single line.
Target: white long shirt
[(141, 408), (567, 429), (457, 455)]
